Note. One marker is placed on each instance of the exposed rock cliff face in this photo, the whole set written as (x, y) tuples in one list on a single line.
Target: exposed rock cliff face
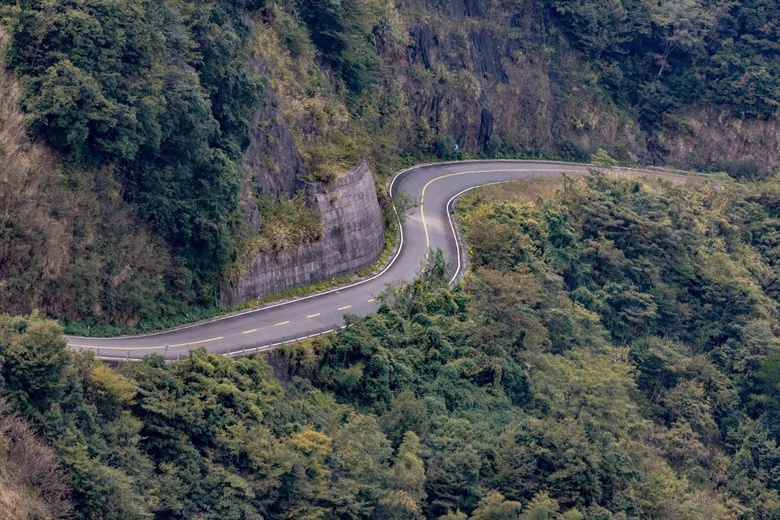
[(474, 75), (275, 164), (353, 236), (502, 78)]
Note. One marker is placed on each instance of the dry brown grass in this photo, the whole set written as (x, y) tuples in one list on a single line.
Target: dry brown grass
[(64, 232), (32, 483), (544, 188), (25, 168)]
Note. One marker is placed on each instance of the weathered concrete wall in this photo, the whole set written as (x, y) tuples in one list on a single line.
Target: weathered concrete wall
[(352, 237)]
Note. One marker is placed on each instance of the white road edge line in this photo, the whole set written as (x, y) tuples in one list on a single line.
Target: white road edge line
[(398, 249), (280, 304), (452, 224), (341, 288)]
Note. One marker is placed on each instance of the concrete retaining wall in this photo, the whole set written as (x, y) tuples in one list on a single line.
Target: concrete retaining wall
[(352, 237)]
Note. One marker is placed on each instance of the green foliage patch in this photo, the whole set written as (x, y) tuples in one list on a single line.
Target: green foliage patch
[(611, 354), (163, 91), (659, 56)]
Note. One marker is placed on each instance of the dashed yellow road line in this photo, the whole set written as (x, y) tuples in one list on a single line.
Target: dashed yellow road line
[(313, 315), (345, 307), (196, 342), (103, 347), (250, 331), (283, 323)]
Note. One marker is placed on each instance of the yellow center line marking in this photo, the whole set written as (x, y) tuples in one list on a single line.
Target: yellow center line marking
[(422, 195), (200, 342), (427, 243), (313, 315), (197, 342)]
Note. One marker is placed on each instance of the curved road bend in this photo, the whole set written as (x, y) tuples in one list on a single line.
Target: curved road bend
[(428, 226)]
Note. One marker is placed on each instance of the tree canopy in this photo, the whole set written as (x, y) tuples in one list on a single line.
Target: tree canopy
[(611, 354), (162, 91)]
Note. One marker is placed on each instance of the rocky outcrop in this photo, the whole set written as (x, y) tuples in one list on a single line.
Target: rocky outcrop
[(487, 53), (461, 8), (505, 81), (274, 163), (352, 237), (474, 75)]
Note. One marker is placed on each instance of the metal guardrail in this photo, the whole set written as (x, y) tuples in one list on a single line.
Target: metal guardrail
[(248, 350), (127, 354), (462, 259)]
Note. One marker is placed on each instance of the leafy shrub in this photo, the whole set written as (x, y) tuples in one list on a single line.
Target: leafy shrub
[(118, 83), (343, 32)]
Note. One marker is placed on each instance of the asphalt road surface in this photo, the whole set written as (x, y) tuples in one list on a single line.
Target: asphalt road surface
[(427, 227)]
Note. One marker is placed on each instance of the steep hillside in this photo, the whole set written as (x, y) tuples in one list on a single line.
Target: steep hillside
[(69, 244), (612, 354), (189, 127), (495, 77)]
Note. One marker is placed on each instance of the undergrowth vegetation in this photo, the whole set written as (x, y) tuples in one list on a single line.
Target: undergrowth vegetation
[(32, 483), (611, 354), (146, 107)]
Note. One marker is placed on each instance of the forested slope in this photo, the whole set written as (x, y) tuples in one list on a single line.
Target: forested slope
[(612, 354), (144, 177), (190, 126)]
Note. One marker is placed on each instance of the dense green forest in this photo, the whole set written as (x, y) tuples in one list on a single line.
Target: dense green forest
[(147, 108), (611, 354), (656, 56), (162, 94)]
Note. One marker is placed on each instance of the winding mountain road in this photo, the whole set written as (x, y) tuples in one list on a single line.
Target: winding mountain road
[(428, 226)]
